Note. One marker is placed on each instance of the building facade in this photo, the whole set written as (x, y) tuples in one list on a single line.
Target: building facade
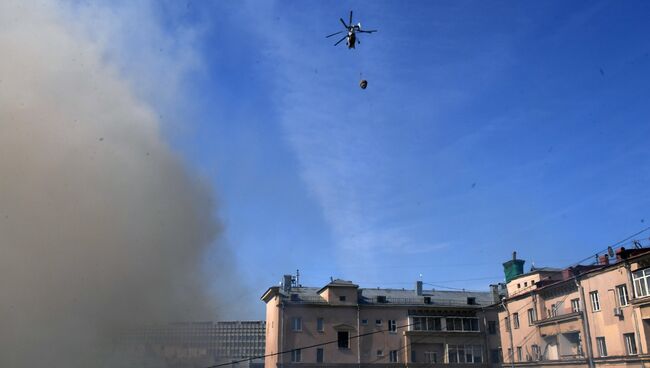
[(343, 325), (199, 343), (583, 316)]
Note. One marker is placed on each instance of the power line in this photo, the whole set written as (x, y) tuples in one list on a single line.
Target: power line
[(307, 347)]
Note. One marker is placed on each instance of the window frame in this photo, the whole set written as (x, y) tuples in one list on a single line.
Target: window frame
[(622, 295), (296, 324), (320, 355), (393, 356), (575, 305), (601, 346), (320, 324), (630, 344), (532, 316), (519, 354), (515, 320), (640, 279), (340, 340), (594, 296), (392, 326), (296, 356)]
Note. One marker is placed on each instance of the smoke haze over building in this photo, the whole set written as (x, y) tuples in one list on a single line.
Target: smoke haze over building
[(101, 225)]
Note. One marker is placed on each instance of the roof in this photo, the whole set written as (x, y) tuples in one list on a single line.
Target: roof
[(369, 296), (338, 283)]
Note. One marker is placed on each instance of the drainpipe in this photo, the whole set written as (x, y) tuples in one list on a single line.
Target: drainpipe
[(585, 324), (509, 327), (358, 336), (636, 320)]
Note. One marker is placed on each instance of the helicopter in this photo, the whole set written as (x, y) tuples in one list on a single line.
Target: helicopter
[(351, 36)]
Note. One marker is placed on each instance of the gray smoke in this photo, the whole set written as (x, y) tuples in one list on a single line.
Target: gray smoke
[(101, 226)]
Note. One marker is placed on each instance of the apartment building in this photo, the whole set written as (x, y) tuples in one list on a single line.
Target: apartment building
[(342, 325), (582, 316), (198, 343)]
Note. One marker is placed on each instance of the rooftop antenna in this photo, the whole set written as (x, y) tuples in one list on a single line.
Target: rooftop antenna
[(298, 278), (637, 244)]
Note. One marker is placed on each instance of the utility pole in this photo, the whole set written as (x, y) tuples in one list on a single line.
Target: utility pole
[(512, 345)]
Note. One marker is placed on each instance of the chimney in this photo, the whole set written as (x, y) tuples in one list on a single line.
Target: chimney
[(286, 283), (513, 268), (418, 288), (603, 260)]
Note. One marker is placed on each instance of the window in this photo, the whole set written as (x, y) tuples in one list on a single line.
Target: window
[(518, 286), (342, 298), (392, 326), (532, 282), (392, 356), (344, 340), (378, 322), (519, 353), (430, 357), (364, 322), (532, 316), (462, 324), (535, 351), (506, 322), (595, 301), (623, 300), (296, 324), (413, 356), (510, 356), (319, 355), (380, 353), (295, 356), (526, 284), (471, 300), (320, 325), (465, 353), (426, 324), (575, 305), (515, 320), (630, 344), (641, 280), (602, 348), (492, 327)]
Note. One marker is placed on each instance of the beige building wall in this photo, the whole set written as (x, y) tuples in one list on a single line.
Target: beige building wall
[(294, 318)]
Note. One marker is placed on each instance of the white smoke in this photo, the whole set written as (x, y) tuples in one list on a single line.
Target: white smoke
[(101, 225)]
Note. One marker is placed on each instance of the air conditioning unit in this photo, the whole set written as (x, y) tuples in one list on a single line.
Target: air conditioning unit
[(618, 311)]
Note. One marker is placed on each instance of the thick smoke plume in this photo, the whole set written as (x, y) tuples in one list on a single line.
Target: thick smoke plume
[(101, 226)]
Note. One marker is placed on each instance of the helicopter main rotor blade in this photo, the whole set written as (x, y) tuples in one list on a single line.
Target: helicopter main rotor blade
[(341, 40), (364, 31), (333, 34), (350, 18), (342, 21)]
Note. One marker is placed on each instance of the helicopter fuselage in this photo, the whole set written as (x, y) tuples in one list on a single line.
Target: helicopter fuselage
[(352, 39)]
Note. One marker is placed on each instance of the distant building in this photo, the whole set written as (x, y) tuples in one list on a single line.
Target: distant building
[(583, 316), (199, 343), (342, 325)]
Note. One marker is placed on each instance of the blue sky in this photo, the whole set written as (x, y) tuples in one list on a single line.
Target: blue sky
[(485, 128)]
